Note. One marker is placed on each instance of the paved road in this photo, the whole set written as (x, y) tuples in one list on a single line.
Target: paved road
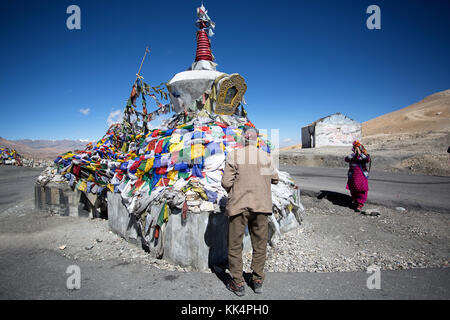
[(33, 273), (395, 189), (16, 184), (42, 275)]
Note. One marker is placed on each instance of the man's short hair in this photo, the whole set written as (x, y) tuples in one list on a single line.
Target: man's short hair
[(250, 134)]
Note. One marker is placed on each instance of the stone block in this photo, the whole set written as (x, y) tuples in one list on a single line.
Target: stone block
[(59, 198), (200, 243), (119, 220)]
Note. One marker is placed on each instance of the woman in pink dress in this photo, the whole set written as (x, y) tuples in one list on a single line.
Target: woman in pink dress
[(358, 175)]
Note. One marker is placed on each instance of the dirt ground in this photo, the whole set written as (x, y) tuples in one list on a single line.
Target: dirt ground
[(334, 238)]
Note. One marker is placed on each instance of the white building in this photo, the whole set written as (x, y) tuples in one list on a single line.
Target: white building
[(333, 130)]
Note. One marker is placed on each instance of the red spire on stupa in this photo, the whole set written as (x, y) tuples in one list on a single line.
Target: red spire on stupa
[(203, 47), (203, 44)]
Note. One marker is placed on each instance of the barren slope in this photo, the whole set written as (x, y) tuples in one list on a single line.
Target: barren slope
[(429, 114)]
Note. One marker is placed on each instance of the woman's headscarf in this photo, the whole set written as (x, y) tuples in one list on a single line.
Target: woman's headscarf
[(357, 144)]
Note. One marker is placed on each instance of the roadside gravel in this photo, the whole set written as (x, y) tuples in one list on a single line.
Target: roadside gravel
[(335, 238)]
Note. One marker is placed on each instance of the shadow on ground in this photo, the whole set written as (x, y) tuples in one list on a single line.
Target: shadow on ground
[(336, 198)]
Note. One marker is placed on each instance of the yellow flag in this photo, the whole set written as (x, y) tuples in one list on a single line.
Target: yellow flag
[(176, 147), (207, 106), (149, 164), (68, 155), (166, 213), (82, 186), (172, 175), (197, 150), (139, 173)]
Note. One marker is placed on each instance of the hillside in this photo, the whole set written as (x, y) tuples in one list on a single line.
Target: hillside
[(295, 146), (430, 114)]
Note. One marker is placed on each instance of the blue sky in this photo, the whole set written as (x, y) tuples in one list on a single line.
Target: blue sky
[(301, 60)]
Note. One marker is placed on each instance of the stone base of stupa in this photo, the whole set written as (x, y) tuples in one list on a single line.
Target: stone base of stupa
[(200, 243), (60, 199)]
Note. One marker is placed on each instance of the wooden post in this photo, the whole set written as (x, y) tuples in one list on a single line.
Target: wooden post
[(138, 74)]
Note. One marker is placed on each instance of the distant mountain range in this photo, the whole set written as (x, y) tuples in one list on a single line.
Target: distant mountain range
[(43, 149)]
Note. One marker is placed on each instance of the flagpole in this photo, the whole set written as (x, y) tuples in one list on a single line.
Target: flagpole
[(138, 74)]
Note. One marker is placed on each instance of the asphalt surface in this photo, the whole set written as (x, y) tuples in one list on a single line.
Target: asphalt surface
[(16, 184), (27, 273), (42, 275), (385, 188)]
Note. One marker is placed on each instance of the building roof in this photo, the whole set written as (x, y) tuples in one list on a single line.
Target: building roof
[(322, 119)]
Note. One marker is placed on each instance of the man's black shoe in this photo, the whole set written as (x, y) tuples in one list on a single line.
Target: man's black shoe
[(257, 286), (238, 289)]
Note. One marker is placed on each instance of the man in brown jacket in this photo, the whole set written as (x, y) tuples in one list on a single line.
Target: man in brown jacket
[(247, 178)]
